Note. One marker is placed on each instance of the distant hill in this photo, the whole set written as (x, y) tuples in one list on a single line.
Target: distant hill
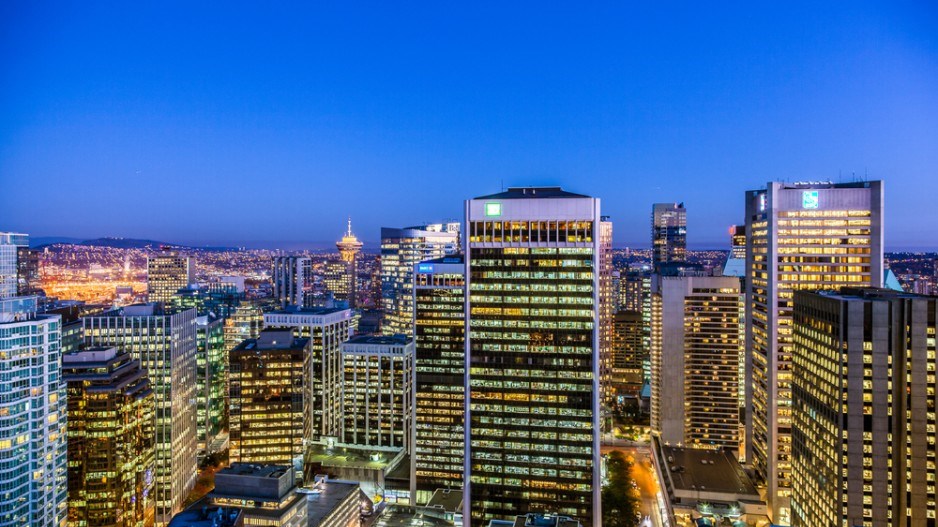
[(119, 243), (126, 243), (39, 241)]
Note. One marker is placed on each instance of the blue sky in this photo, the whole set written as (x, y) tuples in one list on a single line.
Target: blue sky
[(269, 124)]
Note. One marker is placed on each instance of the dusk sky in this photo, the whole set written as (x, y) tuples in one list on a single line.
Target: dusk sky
[(243, 123)]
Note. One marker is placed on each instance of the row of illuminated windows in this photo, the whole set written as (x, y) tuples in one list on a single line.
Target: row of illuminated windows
[(531, 231)]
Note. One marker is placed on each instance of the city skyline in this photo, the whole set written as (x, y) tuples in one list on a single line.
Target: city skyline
[(395, 117)]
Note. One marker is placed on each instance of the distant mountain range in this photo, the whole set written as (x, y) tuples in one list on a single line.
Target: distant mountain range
[(117, 243)]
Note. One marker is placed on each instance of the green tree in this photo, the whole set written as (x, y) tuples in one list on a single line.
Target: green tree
[(620, 504)]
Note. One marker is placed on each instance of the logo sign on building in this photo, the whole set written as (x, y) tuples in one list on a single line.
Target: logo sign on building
[(809, 199), (761, 202), (424, 268), (493, 208)]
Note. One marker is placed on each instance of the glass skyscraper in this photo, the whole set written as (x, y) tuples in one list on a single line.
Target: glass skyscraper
[(164, 341), (668, 233), (401, 249), (532, 355), (439, 332), (32, 406)]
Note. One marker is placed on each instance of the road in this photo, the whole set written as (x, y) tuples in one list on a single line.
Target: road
[(643, 473)]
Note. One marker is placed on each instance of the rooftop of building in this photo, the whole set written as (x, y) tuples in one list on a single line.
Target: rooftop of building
[(254, 470), (201, 515), (385, 340), (707, 471), (402, 516), (269, 339), (533, 192), (325, 496), (89, 356), (347, 456), (149, 309), (294, 310), (868, 293), (827, 184), (449, 500)]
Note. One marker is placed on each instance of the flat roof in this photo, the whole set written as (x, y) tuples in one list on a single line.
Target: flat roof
[(257, 471), (533, 192), (341, 456), (394, 516), (331, 494), (307, 311), (195, 516), (388, 340), (706, 470)]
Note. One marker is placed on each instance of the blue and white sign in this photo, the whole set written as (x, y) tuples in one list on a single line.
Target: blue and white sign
[(809, 199), (424, 268)]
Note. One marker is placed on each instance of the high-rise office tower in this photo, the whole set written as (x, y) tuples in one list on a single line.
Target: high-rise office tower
[(349, 247), (635, 295), (532, 355), (111, 441), (211, 362), (439, 335), (33, 404), (268, 402), (668, 233), (606, 309), (11, 247), (164, 341), (378, 391), (802, 236), (401, 249), (291, 277), (27, 272), (335, 281), (863, 405), (629, 354), (695, 358), (327, 329), (167, 273)]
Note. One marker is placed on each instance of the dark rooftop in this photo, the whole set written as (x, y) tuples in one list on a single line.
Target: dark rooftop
[(706, 470), (273, 339), (207, 516), (294, 310), (533, 192), (388, 340), (326, 496)]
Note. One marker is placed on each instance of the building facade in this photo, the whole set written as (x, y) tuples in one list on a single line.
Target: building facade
[(802, 236), (439, 336), (532, 355), (863, 403), (33, 405), (327, 329), (668, 233), (292, 279), (111, 439), (401, 250), (377, 402), (695, 360), (629, 354), (268, 399), (211, 362), (167, 273), (164, 341)]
